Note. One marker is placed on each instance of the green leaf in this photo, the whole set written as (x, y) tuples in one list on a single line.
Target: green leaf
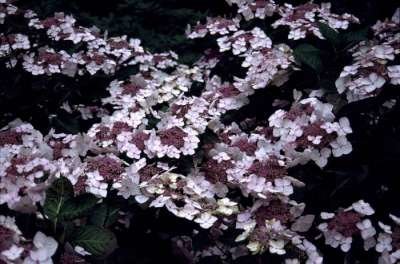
[(96, 240), (59, 192), (329, 33), (356, 36), (309, 55), (104, 215), (78, 206)]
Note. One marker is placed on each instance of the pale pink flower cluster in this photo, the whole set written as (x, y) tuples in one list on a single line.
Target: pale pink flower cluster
[(265, 63), (388, 27), (271, 225), (241, 41), (388, 241), (250, 9), (347, 224), (213, 26), (266, 66), (26, 168), (373, 63), (341, 227), (308, 132), (14, 248), (302, 20), (98, 54), (13, 42)]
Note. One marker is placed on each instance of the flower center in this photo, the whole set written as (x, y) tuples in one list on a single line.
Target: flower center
[(173, 137), (108, 168), (345, 223), (10, 137), (270, 169)]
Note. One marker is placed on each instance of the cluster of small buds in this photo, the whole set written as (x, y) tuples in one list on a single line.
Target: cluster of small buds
[(14, 248), (341, 227), (213, 26), (371, 67), (250, 9), (302, 20)]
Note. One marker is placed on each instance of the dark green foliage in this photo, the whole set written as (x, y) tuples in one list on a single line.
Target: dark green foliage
[(104, 215), (329, 33), (309, 55), (96, 240), (56, 196), (60, 203)]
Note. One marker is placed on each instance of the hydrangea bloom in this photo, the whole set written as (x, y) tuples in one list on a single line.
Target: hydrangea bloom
[(302, 19)]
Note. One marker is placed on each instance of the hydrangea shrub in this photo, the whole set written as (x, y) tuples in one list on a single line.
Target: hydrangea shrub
[(176, 137)]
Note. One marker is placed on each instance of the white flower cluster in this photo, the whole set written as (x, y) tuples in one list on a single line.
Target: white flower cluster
[(308, 132), (347, 223), (97, 52), (251, 162), (241, 41), (14, 248), (372, 64), (213, 26), (13, 42), (302, 20), (388, 241), (388, 27), (266, 66), (250, 9), (26, 168), (62, 27), (267, 226), (265, 63)]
